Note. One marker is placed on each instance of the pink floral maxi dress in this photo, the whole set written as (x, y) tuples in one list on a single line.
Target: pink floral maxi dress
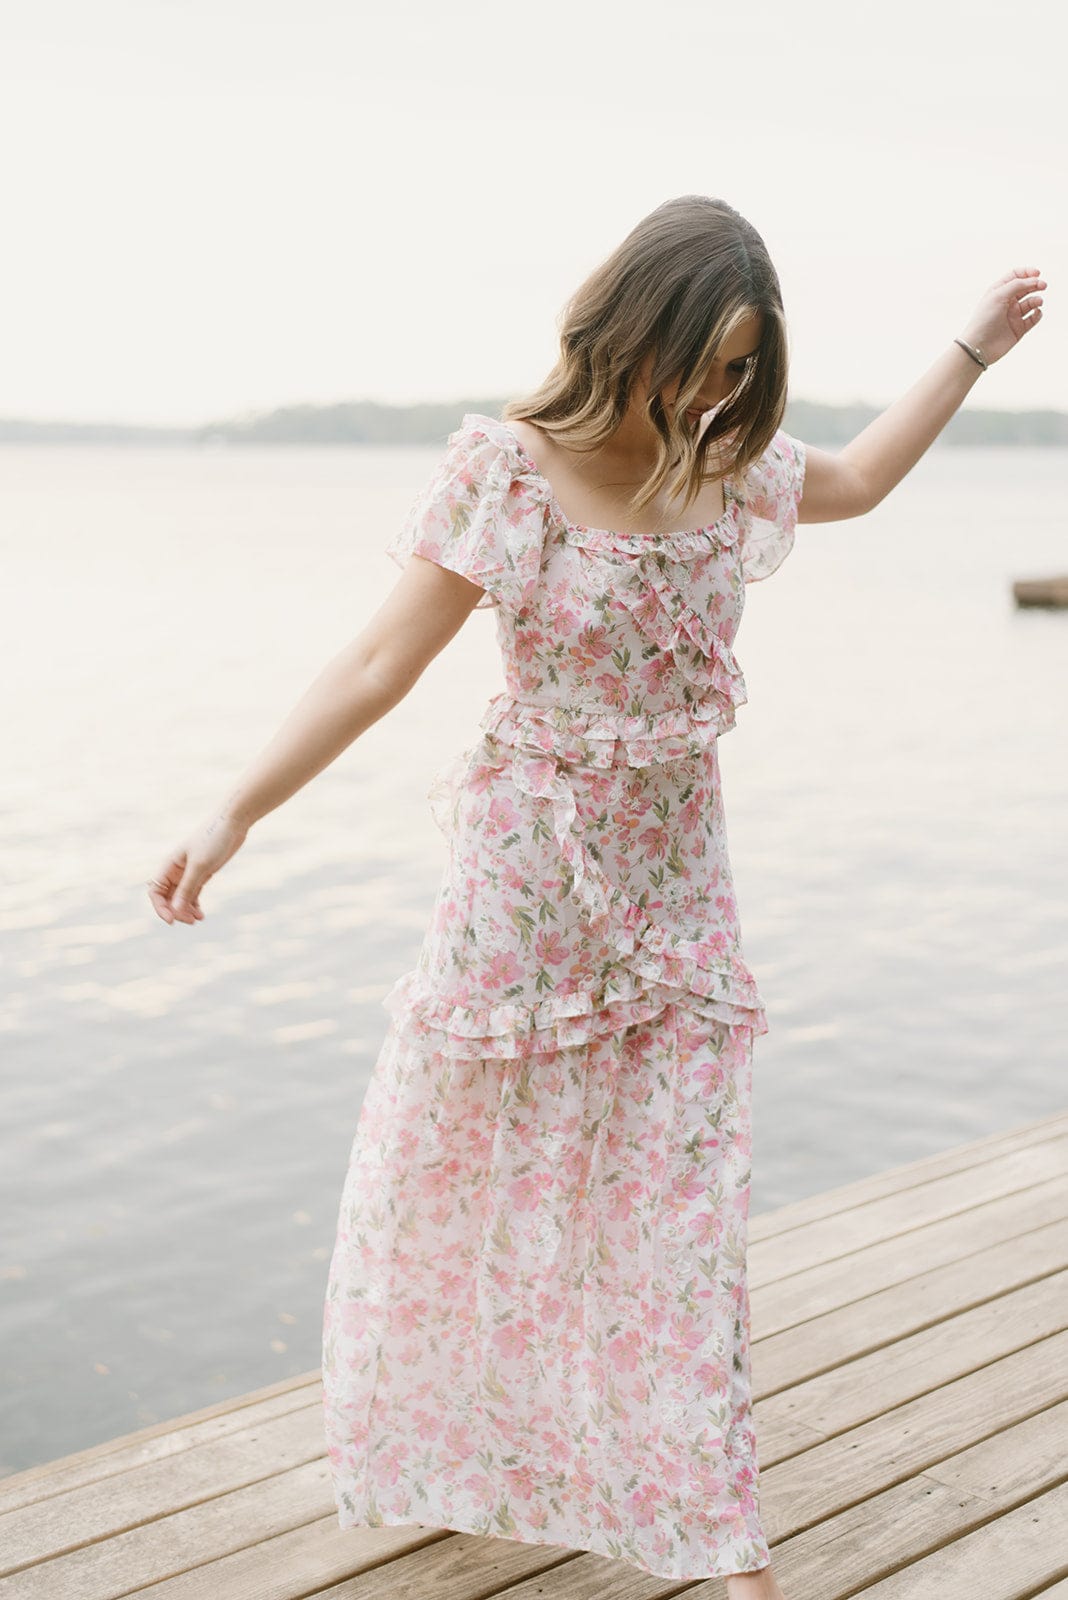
[(537, 1321)]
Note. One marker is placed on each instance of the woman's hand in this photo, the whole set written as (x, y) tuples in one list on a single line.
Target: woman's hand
[(175, 889), (1008, 310)]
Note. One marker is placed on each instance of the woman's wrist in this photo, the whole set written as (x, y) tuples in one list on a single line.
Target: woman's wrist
[(966, 367), (973, 352)]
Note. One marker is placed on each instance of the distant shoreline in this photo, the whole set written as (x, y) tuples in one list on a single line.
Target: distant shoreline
[(366, 422)]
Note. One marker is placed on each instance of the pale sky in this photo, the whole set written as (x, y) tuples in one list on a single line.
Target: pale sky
[(216, 206)]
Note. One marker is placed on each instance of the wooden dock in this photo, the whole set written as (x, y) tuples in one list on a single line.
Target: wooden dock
[(911, 1385)]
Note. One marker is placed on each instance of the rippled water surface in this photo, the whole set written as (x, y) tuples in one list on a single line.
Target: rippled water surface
[(178, 1103)]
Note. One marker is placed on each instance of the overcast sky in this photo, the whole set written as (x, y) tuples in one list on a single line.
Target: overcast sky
[(214, 206)]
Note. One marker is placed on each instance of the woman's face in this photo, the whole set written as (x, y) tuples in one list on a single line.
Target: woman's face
[(725, 370)]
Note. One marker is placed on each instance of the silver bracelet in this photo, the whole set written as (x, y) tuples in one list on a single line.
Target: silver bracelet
[(975, 353)]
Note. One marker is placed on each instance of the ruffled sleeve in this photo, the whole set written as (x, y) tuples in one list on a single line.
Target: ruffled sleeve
[(773, 486), (481, 514)]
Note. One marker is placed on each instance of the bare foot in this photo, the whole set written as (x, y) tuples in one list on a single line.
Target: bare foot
[(760, 1585)]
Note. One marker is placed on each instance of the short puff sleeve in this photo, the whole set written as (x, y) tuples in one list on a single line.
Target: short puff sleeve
[(773, 486), (479, 515)]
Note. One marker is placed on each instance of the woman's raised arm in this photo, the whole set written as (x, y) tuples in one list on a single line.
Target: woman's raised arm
[(851, 481), (426, 606)]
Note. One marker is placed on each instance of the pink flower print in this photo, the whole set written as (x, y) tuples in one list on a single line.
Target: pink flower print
[(656, 841), (407, 1143), (513, 879), (408, 1316), (690, 815), (608, 1517), (580, 973), (738, 1297), (686, 1330), (450, 1284), (613, 689), (712, 1377), (708, 1228), (707, 1482), (689, 1187), (481, 777), (550, 949), (459, 1440), (515, 1339), (504, 1280), (526, 1193), (501, 816), (530, 644), (433, 1184), (482, 1488), (643, 1503), (623, 1197), (502, 969), (427, 1425), (625, 821), (391, 1462), (522, 1482), (624, 1350), (591, 644), (657, 674), (355, 1317), (549, 1309), (709, 1076)]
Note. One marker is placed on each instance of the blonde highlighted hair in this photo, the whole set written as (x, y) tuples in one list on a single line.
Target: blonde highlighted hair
[(680, 283)]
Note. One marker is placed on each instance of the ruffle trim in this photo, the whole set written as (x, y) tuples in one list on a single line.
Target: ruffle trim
[(652, 965), (481, 514), (773, 487), (605, 738), (511, 1030)]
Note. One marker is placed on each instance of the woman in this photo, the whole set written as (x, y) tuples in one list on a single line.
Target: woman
[(537, 1321)]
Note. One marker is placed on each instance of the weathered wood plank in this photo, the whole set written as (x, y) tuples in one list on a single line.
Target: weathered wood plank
[(1003, 1560), (162, 1442), (167, 1544), (929, 1359), (863, 1225), (887, 1531), (782, 1304), (828, 1202), (827, 1341), (127, 1499), (864, 1460), (293, 1565), (464, 1567)]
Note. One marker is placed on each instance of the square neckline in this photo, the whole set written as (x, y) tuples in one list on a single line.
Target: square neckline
[(731, 499)]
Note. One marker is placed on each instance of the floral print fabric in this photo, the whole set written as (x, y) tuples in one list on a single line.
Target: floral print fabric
[(536, 1322)]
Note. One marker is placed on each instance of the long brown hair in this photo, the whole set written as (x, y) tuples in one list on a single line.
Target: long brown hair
[(677, 286)]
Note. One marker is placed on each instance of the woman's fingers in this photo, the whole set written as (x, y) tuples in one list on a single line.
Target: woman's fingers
[(186, 905), (161, 888), (175, 889)]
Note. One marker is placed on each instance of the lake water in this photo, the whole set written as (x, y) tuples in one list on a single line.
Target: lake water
[(178, 1102)]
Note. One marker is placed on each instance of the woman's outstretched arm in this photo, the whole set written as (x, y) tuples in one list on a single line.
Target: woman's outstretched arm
[(852, 480), (425, 608)]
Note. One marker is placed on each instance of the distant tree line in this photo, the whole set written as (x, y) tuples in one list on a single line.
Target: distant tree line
[(370, 422)]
